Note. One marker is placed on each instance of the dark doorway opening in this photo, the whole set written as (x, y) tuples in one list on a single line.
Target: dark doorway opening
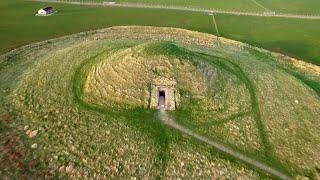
[(162, 99)]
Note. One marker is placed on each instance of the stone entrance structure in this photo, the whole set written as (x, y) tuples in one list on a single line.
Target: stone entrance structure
[(163, 94)]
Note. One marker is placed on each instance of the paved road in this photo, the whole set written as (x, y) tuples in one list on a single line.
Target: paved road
[(166, 119), (209, 11)]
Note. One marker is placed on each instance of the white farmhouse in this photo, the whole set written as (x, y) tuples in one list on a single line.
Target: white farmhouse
[(45, 11)]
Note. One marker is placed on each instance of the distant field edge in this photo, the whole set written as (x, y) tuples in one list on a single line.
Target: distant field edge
[(190, 9)]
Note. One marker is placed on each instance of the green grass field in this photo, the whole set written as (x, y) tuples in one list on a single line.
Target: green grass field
[(298, 38), (310, 7), (234, 5), (21, 27)]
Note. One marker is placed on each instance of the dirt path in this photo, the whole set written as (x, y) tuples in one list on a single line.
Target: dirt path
[(215, 11), (166, 119)]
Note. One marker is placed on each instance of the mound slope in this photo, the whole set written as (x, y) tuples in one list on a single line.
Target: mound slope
[(87, 97)]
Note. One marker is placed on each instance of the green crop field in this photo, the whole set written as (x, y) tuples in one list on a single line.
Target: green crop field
[(310, 7), (236, 5), (282, 6), (75, 91), (297, 38), (21, 26), (294, 37)]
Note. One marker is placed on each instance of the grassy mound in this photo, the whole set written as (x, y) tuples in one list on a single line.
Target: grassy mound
[(78, 106)]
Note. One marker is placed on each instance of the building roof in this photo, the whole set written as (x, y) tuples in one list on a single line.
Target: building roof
[(48, 8)]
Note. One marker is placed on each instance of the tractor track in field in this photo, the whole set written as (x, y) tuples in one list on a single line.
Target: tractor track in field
[(189, 9), (260, 5), (167, 120)]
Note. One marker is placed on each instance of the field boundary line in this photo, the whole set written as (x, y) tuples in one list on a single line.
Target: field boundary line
[(216, 26), (216, 11)]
